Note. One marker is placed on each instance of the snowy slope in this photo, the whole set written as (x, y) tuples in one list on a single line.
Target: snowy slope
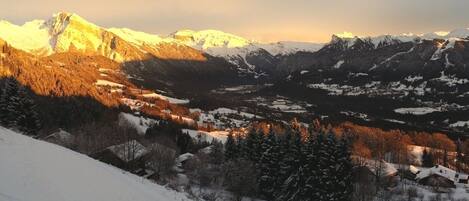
[(220, 43), (32, 170)]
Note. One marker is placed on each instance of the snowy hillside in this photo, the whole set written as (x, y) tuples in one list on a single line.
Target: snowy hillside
[(36, 170)]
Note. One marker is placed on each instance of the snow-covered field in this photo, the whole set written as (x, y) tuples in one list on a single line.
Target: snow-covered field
[(141, 124), (207, 136), (416, 110), (33, 170), (169, 99)]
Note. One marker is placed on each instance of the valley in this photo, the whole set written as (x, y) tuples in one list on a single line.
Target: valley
[(209, 115)]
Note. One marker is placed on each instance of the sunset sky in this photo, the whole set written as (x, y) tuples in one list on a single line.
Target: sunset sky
[(262, 20)]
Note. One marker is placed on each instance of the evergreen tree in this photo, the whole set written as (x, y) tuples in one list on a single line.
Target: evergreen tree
[(343, 175), (231, 149), (17, 110), (324, 167), (253, 146), (311, 167), (269, 166), (445, 158), (285, 162), (9, 102), (290, 163), (427, 159), (28, 120), (292, 189)]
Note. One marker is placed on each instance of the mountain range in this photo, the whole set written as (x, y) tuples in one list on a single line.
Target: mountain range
[(380, 75)]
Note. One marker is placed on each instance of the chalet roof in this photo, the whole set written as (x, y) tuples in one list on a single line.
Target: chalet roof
[(443, 172), (414, 170), (62, 136), (128, 151), (184, 157), (386, 168)]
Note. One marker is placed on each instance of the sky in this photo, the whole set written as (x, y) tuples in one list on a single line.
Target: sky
[(261, 20)]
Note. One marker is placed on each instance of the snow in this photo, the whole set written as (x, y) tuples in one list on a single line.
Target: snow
[(451, 80), (62, 136), (40, 171), (289, 47), (128, 151), (183, 157), (417, 110), (207, 136), (395, 121), (413, 78), (108, 83), (206, 39), (226, 111), (169, 99), (441, 171), (460, 124), (339, 64), (31, 37), (136, 37), (386, 169), (141, 124)]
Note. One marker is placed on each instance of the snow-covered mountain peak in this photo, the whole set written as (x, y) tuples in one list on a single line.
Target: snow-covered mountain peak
[(345, 35), (206, 39), (458, 33), (137, 37)]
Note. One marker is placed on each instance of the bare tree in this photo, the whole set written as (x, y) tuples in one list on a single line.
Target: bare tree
[(161, 159)]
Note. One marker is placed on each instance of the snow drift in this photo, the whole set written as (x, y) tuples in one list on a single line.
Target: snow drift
[(35, 170)]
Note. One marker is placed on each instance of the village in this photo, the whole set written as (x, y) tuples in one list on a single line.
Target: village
[(166, 164)]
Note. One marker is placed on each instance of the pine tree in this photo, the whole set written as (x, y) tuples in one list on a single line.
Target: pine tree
[(427, 159), (28, 122), (326, 166), (253, 146), (290, 163), (9, 103), (17, 110), (311, 168), (231, 149), (269, 166), (343, 175), (292, 189)]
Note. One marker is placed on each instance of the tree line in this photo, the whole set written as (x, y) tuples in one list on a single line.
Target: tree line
[(289, 167), (17, 108)]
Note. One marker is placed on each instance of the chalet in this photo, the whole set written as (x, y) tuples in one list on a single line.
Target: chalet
[(62, 138), (440, 176), (129, 156), (181, 161), (411, 173), (372, 171)]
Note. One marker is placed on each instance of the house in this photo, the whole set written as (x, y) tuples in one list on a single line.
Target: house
[(411, 173), (129, 156), (372, 171), (62, 138), (182, 160), (440, 176)]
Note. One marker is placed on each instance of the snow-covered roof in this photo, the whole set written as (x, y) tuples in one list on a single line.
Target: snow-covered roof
[(61, 135), (386, 168), (128, 151), (414, 169), (184, 157), (443, 172)]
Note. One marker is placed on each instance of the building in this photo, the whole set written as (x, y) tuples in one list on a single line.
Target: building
[(440, 176), (62, 138), (129, 156), (373, 171)]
